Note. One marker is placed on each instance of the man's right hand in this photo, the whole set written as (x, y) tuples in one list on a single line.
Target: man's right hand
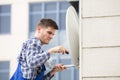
[(58, 49)]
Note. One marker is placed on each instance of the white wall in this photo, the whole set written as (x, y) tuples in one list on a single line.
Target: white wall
[(100, 40), (10, 44)]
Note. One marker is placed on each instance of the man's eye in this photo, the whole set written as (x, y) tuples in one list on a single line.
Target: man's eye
[(49, 32)]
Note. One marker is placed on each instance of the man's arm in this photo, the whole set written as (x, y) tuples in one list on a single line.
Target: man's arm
[(57, 68), (35, 55)]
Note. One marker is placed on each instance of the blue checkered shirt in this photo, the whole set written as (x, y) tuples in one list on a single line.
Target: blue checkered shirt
[(31, 59)]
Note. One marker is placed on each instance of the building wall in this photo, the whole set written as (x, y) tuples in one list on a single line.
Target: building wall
[(10, 43), (100, 41)]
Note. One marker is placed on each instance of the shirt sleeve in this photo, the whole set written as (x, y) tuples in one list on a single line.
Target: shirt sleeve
[(48, 76), (35, 55)]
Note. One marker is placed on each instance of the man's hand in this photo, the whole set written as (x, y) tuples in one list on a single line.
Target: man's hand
[(58, 49), (57, 68)]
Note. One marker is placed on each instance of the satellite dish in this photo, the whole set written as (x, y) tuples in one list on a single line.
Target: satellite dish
[(72, 33)]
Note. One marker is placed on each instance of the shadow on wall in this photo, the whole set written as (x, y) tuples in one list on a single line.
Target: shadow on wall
[(75, 4)]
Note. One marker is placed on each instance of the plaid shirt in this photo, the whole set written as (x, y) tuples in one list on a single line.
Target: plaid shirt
[(31, 59)]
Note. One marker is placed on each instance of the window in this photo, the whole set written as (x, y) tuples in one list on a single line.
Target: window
[(57, 12), (4, 70), (54, 10), (5, 19)]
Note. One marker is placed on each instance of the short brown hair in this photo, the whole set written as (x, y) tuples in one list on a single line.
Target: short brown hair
[(48, 22)]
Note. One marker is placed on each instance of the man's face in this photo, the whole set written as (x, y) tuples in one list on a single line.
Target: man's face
[(46, 34)]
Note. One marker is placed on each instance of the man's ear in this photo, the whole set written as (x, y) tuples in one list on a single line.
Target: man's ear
[(38, 28)]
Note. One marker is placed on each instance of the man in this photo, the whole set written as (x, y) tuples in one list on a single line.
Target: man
[(32, 57)]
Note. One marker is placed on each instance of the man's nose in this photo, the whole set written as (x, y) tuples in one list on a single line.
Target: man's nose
[(51, 36)]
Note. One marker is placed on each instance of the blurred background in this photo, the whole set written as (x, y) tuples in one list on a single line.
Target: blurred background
[(18, 20)]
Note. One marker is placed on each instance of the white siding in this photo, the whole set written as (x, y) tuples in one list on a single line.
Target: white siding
[(92, 8), (100, 39), (101, 31)]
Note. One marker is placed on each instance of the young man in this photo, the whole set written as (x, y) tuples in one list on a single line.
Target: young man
[(32, 57)]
